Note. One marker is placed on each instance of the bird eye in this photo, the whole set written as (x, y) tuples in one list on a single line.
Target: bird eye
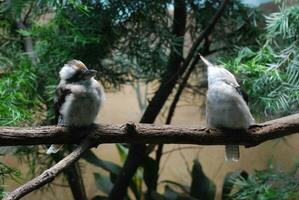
[(84, 70)]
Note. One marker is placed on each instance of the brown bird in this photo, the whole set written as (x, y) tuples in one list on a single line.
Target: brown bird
[(78, 97)]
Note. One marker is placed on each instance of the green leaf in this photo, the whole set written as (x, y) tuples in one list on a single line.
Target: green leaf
[(122, 151), (24, 32), (90, 157), (112, 168), (201, 186), (103, 183), (184, 188), (2, 193), (228, 182), (170, 193)]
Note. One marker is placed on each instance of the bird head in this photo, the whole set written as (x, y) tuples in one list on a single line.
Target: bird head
[(218, 73), (75, 70)]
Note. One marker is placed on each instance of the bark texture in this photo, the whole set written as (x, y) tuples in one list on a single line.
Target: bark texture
[(151, 134), (50, 174), (135, 133)]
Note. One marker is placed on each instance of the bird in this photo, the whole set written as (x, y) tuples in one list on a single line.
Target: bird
[(226, 105), (78, 97)]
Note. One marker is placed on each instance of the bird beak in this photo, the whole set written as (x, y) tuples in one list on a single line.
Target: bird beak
[(89, 73), (205, 61)]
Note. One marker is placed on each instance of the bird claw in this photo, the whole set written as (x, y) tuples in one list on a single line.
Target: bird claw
[(209, 130)]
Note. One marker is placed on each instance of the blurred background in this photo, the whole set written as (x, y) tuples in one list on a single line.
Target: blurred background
[(138, 48)]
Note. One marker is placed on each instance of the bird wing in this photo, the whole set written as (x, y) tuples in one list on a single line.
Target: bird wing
[(60, 94), (245, 96)]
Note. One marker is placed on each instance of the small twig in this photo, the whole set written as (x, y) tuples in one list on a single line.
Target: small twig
[(165, 161), (185, 161), (181, 148), (204, 34), (218, 170), (180, 91), (50, 174), (28, 12)]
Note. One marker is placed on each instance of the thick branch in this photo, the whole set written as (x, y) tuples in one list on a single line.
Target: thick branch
[(74, 177), (49, 175), (151, 134), (183, 84), (137, 152)]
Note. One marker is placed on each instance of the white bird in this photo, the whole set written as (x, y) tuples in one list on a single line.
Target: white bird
[(226, 106), (78, 97)]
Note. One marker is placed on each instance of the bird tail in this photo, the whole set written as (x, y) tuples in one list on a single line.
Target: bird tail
[(232, 153), (54, 148)]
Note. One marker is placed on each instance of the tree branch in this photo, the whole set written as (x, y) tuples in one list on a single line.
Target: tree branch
[(137, 152), (74, 177), (50, 174), (204, 34), (182, 86), (135, 133), (175, 68), (151, 134), (29, 10)]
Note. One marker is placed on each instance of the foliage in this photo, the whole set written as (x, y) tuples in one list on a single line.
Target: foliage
[(271, 73), (72, 29), (104, 183), (81, 36), (201, 187), (268, 184), (7, 171), (125, 41), (239, 24), (18, 88)]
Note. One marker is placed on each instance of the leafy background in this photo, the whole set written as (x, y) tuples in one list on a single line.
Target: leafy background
[(261, 51)]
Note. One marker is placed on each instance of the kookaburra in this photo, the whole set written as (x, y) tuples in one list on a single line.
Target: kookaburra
[(78, 97), (226, 106)]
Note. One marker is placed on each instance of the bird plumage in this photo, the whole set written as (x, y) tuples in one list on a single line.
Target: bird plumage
[(226, 104), (78, 97)]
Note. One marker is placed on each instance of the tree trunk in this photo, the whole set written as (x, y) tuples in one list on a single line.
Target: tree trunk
[(137, 152), (174, 70), (74, 178), (28, 43)]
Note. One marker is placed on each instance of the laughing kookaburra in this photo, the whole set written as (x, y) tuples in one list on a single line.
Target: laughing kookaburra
[(226, 105), (78, 97)]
